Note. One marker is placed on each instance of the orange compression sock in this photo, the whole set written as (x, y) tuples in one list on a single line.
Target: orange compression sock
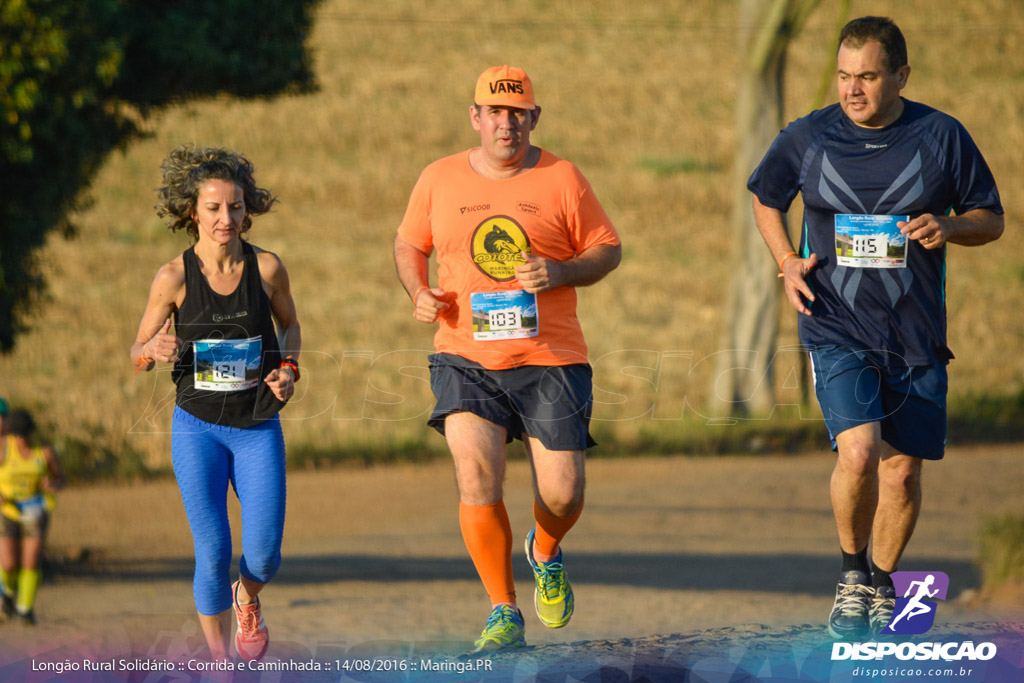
[(488, 537), (551, 530)]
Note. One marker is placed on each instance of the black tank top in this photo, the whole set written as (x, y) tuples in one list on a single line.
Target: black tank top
[(228, 346)]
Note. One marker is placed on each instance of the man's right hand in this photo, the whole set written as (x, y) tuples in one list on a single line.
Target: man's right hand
[(794, 272), (432, 304)]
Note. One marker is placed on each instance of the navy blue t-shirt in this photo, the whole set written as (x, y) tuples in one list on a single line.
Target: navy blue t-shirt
[(924, 162)]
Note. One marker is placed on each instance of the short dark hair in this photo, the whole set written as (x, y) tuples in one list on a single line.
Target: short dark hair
[(20, 423), (881, 29)]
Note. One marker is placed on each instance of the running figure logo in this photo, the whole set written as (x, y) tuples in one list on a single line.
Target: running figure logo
[(915, 612)]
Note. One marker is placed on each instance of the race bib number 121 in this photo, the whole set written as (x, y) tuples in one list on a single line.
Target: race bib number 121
[(227, 364)]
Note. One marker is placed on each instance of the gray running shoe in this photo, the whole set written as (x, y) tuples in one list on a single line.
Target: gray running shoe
[(882, 605), (849, 618)]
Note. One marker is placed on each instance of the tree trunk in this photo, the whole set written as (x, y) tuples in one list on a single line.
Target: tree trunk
[(744, 383)]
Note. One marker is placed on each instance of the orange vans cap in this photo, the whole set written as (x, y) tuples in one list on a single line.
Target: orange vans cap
[(505, 86)]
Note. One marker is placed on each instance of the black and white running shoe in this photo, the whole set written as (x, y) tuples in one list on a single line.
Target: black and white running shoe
[(849, 618)]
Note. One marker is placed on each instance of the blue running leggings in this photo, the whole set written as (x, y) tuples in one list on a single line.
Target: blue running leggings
[(205, 458)]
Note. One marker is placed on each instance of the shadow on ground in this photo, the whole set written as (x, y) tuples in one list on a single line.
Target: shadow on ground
[(785, 573)]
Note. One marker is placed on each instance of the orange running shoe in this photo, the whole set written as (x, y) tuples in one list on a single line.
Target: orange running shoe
[(252, 637)]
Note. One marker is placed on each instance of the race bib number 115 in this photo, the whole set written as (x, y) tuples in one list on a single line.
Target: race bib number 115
[(867, 241)]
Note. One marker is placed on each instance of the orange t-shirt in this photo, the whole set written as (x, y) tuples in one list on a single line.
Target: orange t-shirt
[(479, 227)]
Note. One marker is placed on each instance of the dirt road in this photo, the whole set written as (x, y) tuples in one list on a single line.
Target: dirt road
[(374, 562)]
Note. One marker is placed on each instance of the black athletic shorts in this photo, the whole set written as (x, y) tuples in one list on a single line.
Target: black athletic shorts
[(549, 403), (34, 528)]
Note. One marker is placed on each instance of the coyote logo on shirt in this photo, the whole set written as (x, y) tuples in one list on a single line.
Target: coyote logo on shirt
[(497, 247), (497, 241)]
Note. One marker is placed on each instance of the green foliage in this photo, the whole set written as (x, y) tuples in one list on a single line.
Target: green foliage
[(304, 453), (1001, 551), (245, 47), (784, 433), (56, 124), (85, 460), (981, 418), (68, 70)]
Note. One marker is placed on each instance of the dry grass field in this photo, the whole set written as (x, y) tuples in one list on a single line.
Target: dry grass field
[(639, 95)]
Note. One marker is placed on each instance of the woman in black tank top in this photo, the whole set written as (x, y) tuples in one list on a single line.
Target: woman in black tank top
[(234, 370)]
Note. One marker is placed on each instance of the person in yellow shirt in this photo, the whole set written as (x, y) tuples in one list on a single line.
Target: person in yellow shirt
[(29, 475)]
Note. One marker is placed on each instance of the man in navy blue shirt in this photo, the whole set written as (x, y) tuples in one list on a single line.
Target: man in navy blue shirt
[(886, 183)]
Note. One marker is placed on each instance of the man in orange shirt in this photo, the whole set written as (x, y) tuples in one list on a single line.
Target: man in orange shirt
[(515, 230)]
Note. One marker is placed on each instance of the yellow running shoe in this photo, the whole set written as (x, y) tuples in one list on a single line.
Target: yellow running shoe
[(553, 597), (504, 628)]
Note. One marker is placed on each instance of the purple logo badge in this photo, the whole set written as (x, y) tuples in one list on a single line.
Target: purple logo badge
[(915, 610)]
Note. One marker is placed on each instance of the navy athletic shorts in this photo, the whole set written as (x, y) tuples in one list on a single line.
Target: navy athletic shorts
[(549, 403), (909, 401)]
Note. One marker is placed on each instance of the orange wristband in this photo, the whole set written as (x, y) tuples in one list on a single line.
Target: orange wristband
[(783, 262), (142, 361), (293, 365), (417, 293)]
